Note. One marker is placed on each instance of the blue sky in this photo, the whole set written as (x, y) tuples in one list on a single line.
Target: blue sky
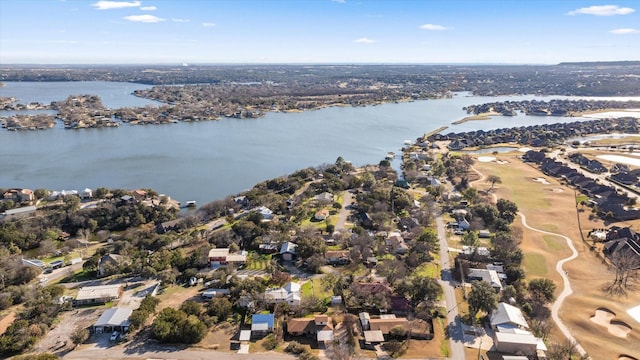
[(317, 31)]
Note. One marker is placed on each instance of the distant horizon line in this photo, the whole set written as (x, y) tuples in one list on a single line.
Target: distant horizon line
[(187, 64)]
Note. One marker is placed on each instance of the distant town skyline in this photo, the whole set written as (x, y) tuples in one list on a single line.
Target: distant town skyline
[(317, 31)]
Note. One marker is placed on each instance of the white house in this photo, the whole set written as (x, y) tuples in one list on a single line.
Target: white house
[(265, 212), (113, 319), (507, 316), (488, 276), (288, 294)]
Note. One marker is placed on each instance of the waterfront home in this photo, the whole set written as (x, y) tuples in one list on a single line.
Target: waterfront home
[(86, 194), (19, 195)]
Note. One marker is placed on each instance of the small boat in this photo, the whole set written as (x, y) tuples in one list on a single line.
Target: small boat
[(190, 204), (390, 155)]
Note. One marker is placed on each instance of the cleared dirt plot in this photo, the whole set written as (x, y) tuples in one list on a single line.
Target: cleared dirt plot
[(553, 208)]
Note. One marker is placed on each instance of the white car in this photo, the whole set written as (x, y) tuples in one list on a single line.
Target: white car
[(115, 336)]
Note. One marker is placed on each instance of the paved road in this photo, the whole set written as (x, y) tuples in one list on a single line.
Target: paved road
[(566, 291), (456, 336), (344, 212), (174, 354)]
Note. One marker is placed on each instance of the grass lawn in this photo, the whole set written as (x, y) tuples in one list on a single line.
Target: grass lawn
[(258, 262), (430, 270), (534, 264), (314, 287)]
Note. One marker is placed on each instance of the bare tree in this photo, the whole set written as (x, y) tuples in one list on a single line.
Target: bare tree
[(625, 265)]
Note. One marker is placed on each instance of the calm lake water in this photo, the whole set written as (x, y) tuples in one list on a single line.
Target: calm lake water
[(205, 161)]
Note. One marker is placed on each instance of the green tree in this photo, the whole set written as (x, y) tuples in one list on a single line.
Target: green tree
[(470, 238), (420, 289), (482, 297), (191, 307), (507, 209), (493, 180), (221, 308), (175, 326), (543, 287), (40, 193)]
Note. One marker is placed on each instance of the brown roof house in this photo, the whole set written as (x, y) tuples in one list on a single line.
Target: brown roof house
[(109, 264), (319, 327), (387, 322)]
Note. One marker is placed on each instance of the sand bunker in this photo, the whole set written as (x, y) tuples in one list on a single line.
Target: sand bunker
[(524, 149), (542, 181), (486, 158), (626, 357), (557, 190), (502, 162), (604, 317)]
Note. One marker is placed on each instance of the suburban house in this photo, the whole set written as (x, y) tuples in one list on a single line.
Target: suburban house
[(34, 262), (372, 338), (623, 242), (506, 317), (387, 322), (262, 324), (337, 257), (512, 333), (396, 242), (113, 319), (324, 197), (109, 262), (222, 256), (288, 294), (321, 214), (288, 251), (266, 213), (102, 294), (86, 194), (319, 327), (241, 200), (171, 225), (19, 195), (18, 213), (489, 276)]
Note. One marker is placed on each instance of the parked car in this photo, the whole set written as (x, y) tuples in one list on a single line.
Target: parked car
[(115, 336)]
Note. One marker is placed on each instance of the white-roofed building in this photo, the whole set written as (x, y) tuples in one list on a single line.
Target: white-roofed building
[(519, 344), (508, 316), (91, 295), (489, 276), (289, 294), (113, 319)]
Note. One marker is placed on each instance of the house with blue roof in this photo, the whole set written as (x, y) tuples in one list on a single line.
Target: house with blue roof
[(261, 324)]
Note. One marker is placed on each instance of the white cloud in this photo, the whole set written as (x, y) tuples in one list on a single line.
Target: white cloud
[(625, 31), (364, 41), (180, 20), (148, 8), (339, 1), (144, 18), (208, 24), (108, 5), (602, 10), (433, 27)]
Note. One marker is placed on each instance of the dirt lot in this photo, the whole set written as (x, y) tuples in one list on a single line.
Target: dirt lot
[(173, 296), (552, 207), (69, 321)]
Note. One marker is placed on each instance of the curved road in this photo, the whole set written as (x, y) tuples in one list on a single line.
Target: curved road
[(566, 291)]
